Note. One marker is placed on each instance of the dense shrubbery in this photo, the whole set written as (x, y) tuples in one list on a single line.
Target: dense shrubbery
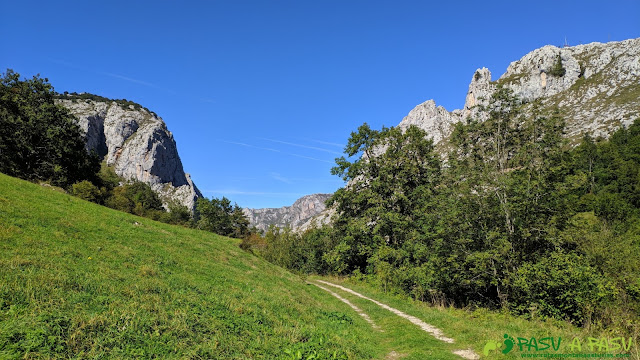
[(513, 219), (220, 217), (135, 197), (303, 253)]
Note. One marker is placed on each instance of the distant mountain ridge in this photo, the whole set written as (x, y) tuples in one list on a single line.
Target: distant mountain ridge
[(296, 216), (135, 142)]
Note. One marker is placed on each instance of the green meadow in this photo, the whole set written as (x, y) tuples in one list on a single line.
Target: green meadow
[(78, 280)]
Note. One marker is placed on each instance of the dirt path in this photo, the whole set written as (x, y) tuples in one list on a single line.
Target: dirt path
[(355, 308), (432, 330)]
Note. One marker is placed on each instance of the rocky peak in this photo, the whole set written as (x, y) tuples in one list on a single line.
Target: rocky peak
[(598, 92), (296, 215), (137, 144), (480, 90), (596, 86), (436, 120)]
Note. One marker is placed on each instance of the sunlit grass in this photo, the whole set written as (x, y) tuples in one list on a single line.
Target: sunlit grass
[(80, 280)]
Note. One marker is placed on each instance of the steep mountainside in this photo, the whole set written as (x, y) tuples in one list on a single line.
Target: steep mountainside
[(596, 86), (296, 215), (137, 144)]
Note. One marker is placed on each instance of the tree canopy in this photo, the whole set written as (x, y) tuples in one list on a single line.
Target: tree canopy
[(222, 218), (504, 215), (40, 140)]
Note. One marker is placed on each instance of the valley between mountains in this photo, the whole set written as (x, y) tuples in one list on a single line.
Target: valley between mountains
[(475, 233)]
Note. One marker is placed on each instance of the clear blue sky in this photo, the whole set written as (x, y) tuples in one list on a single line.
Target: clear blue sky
[(261, 95)]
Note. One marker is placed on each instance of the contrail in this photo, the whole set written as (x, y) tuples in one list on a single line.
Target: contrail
[(275, 150), (302, 146)]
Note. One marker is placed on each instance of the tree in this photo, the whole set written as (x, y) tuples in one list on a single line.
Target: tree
[(40, 140), (143, 197), (85, 190), (138, 198), (220, 217), (390, 185), (558, 70), (503, 174)]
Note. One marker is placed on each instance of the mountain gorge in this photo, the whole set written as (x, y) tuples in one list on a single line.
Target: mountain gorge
[(595, 86), (510, 206)]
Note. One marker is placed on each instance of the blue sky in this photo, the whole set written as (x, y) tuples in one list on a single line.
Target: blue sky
[(261, 96)]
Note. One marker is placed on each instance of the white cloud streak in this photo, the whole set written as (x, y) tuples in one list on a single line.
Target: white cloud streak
[(125, 78), (251, 146), (325, 142), (113, 75), (303, 146), (275, 150), (277, 176)]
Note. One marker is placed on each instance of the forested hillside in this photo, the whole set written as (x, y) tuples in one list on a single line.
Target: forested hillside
[(512, 217)]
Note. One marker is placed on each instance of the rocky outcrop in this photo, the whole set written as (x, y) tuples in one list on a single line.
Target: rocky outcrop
[(137, 144), (598, 89), (440, 121), (298, 215)]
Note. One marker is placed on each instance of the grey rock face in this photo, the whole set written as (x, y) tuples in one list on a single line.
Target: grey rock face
[(480, 90), (435, 120), (295, 216), (598, 93), (138, 145)]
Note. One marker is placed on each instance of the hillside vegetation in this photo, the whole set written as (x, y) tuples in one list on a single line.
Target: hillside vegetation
[(514, 219), (82, 280), (78, 280)]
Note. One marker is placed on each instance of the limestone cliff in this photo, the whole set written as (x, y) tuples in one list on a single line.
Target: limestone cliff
[(598, 89), (296, 216), (136, 143)]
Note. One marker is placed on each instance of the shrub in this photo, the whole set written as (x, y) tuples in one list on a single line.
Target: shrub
[(562, 285), (86, 190), (119, 200), (558, 70), (178, 214)]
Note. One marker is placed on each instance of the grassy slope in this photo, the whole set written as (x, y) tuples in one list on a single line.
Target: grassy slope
[(80, 280), (470, 329)]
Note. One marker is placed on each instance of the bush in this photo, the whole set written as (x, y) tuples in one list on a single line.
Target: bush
[(120, 201), (253, 243), (178, 214), (562, 285), (136, 198), (86, 190), (558, 70)]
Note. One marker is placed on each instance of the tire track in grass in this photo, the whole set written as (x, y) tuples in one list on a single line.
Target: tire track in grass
[(430, 329), (355, 308)]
